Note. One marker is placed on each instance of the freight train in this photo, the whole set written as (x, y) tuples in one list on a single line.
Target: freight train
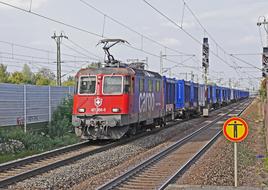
[(119, 99)]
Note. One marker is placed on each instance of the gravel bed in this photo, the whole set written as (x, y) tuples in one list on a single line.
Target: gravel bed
[(217, 165), (102, 178), (71, 175)]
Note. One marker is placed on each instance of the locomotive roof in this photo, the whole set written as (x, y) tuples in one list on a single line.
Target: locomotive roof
[(120, 71)]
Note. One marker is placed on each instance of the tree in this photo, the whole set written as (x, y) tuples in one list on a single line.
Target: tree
[(44, 77), (3, 73), (69, 82), (27, 74), (16, 78), (47, 73)]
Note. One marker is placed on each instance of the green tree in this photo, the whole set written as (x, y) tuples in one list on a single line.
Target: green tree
[(41, 80), (3, 73), (16, 78), (61, 119), (47, 73), (69, 82), (44, 77), (27, 74)]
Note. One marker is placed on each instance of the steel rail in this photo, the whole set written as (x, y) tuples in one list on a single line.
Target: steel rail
[(39, 157), (195, 157), (35, 158), (125, 176)]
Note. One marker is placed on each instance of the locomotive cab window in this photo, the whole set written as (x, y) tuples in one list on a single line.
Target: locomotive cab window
[(127, 85), (112, 85), (87, 85)]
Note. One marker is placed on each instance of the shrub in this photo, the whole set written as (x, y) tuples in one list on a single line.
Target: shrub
[(61, 119)]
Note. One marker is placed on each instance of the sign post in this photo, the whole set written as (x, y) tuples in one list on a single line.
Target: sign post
[(235, 164), (235, 130)]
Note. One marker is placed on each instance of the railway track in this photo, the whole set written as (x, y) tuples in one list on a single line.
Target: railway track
[(18, 170), (21, 169), (163, 168)]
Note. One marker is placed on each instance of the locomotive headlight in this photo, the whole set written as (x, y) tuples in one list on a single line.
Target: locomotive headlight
[(115, 110), (81, 110)]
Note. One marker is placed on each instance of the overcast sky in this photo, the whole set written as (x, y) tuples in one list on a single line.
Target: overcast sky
[(231, 23)]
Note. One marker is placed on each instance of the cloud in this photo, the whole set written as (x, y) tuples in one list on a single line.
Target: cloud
[(189, 24), (170, 42), (25, 4), (169, 24), (185, 25), (247, 40)]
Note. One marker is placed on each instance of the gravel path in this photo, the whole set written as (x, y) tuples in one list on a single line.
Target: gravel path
[(216, 166), (85, 169)]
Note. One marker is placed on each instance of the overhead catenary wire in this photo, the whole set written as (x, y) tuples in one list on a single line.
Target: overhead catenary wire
[(75, 27), (246, 54), (23, 55), (131, 29), (95, 34), (205, 30), (38, 66), (190, 35), (78, 52), (243, 61), (158, 56), (50, 19), (36, 49), (33, 58), (36, 61), (84, 49)]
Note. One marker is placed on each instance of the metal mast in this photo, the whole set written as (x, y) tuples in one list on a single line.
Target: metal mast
[(58, 40), (205, 65)]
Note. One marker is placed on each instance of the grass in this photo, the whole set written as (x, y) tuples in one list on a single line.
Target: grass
[(245, 155), (34, 143)]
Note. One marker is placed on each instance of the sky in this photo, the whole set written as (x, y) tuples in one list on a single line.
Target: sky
[(229, 25)]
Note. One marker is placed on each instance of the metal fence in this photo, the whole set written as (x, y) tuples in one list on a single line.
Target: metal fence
[(27, 104)]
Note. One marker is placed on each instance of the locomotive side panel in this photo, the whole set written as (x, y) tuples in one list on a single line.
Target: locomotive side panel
[(147, 99)]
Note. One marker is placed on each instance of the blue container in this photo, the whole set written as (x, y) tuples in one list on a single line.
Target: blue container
[(170, 90), (213, 95), (180, 98)]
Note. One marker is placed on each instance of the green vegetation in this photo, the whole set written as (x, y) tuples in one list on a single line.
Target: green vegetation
[(69, 81), (3, 73), (43, 77), (55, 135), (262, 90), (61, 119)]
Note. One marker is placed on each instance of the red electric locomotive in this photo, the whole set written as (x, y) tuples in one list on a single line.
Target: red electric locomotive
[(116, 99)]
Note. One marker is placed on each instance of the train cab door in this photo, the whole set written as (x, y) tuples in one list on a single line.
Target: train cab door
[(131, 99), (149, 101)]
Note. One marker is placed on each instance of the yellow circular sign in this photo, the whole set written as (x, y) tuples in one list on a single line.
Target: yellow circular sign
[(235, 129)]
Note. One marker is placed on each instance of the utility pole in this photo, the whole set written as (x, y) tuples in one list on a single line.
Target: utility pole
[(58, 40), (192, 76), (265, 25), (161, 63), (205, 65), (265, 49)]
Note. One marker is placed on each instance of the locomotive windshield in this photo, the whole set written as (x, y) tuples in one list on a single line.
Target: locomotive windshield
[(112, 85), (87, 85)]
